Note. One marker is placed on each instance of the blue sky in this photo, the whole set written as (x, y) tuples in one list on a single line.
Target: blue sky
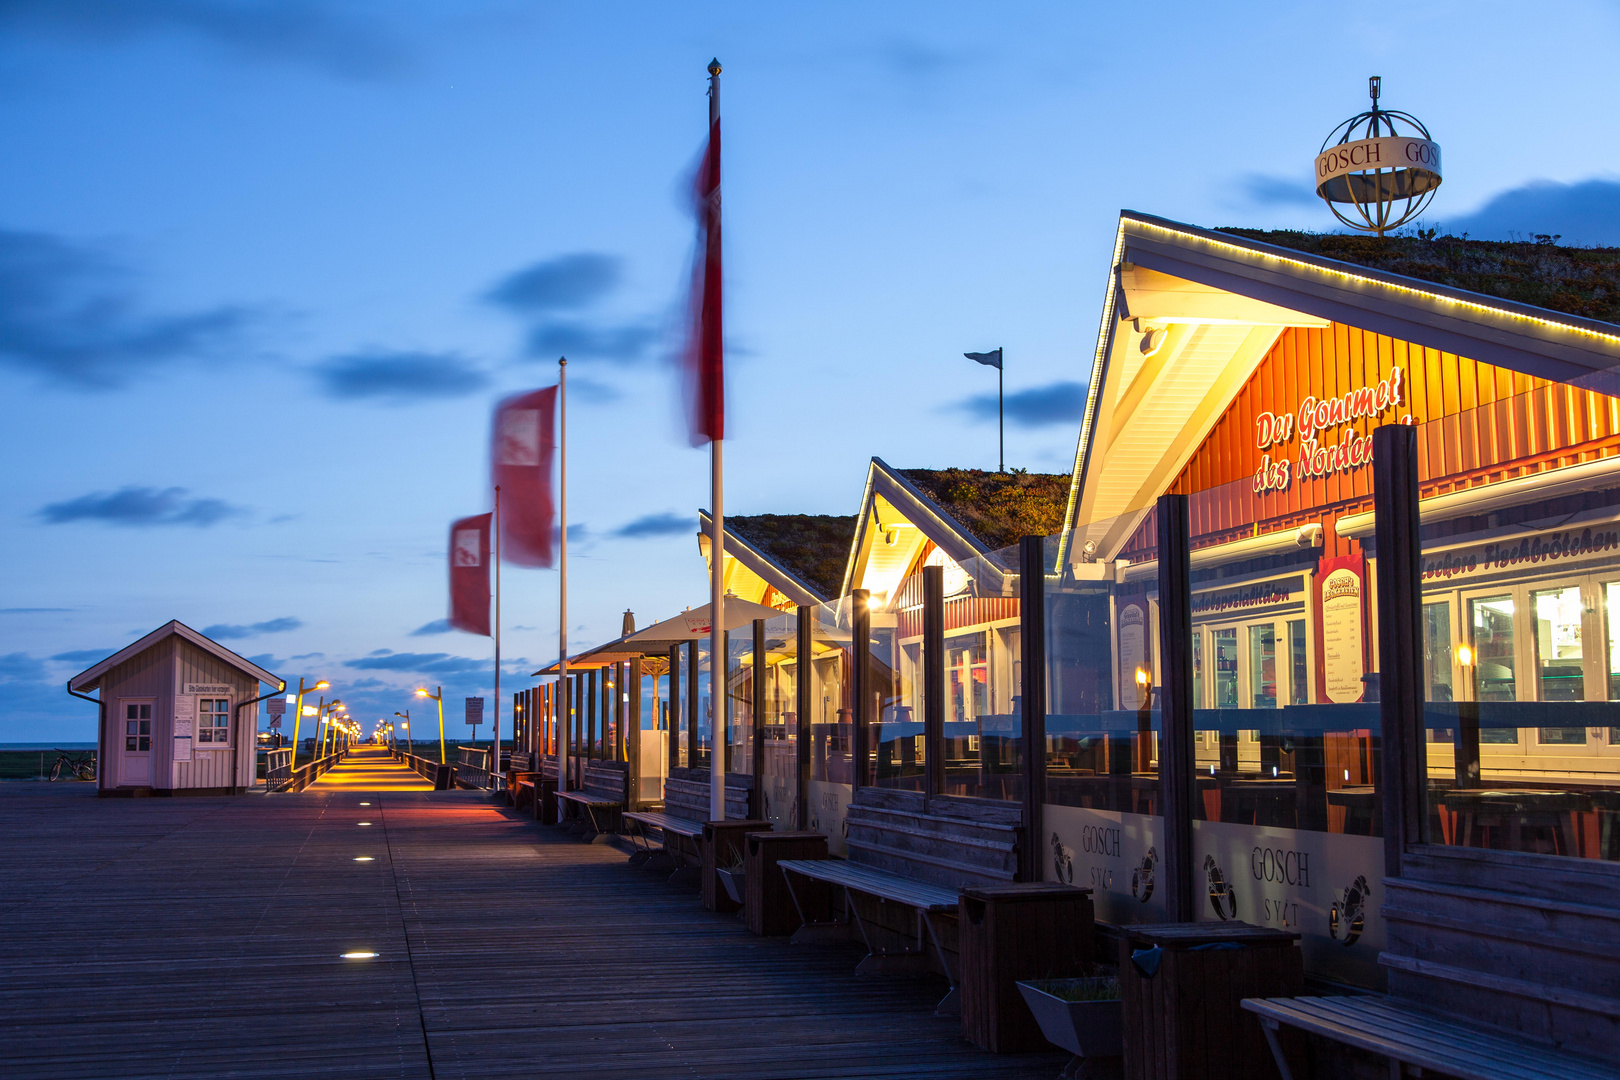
[(265, 266)]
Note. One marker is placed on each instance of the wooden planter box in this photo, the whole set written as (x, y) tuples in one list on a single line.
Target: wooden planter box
[(770, 904), (1185, 1020), (722, 842), (1028, 930)]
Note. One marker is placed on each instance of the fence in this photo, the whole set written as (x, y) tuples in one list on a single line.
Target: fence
[(438, 772)]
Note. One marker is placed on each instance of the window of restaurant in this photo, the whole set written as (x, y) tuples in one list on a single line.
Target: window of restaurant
[(831, 727)]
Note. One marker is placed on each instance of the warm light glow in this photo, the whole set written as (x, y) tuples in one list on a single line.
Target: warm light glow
[(359, 956), (364, 858), (322, 685), (365, 823), (1141, 677), (422, 693), (1465, 656)]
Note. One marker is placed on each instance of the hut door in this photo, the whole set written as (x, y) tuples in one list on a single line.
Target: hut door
[(135, 765)]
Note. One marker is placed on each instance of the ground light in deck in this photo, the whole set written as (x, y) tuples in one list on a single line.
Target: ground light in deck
[(359, 956)]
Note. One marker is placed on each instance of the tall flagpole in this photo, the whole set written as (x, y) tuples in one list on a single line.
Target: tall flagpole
[(1001, 407), (561, 704), (495, 729), (718, 661)]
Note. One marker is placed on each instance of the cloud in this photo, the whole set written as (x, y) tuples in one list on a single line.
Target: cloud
[(1279, 190), (916, 60), (1039, 406), (625, 343), (437, 626), (30, 610), (421, 663), (565, 283), (141, 507), (83, 656), (664, 524), (230, 631), (289, 31), (70, 315), (399, 378), (21, 666), (1586, 213), (592, 392)]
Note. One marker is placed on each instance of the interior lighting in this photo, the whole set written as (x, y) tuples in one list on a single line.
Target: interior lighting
[(359, 956), (1465, 656)]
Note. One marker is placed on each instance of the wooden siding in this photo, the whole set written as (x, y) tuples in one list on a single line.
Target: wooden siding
[(148, 674), (215, 768), (1493, 424)]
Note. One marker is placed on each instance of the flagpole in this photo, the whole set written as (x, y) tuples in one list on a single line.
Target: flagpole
[(560, 707), (495, 728), (1001, 408), (718, 661)]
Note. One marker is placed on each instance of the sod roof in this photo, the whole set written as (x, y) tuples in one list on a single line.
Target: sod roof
[(814, 547), (1581, 281), (998, 508)]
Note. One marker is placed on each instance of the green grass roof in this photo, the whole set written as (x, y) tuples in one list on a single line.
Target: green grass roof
[(1581, 281), (998, 508), (815, 547)]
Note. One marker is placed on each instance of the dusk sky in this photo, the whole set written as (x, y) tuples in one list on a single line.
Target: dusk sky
[(265, 267)]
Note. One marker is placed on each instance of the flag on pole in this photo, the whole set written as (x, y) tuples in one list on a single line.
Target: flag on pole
[(988, 359), (705, 349), (469, 574), (522, 440)]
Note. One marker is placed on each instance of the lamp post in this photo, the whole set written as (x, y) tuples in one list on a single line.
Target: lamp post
[(439, 697), (298, 709), (329, 733), (406, 717)]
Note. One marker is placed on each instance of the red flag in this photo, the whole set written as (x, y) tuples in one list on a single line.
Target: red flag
[(522, 441), (705, 351), (469, 574)]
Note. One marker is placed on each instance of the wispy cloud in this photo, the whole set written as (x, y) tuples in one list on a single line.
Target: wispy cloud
[(141, 507), (71, 315), (233, 631), (400, 378), (1265, 190), (622, 343), (31, 610), (437, 626), (83, 656), (1587, 212), (300, 32), (1040, 406), (565, 283), (916, 59), (421, 663), (650, 525)]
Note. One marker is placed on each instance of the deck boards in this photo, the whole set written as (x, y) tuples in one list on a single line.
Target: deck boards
[(194, 937)]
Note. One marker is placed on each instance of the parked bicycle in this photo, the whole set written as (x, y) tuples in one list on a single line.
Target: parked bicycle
[(76, 766)]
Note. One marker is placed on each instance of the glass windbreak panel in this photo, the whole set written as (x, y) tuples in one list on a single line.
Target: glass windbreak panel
[(704, 716), (1437, 651), (1263, 666), (984, 723), (679, 677), (1198, 668), (779, 725), (1299, 667), (896, 740), (740, 701), (1103, 818), (1224, 648), (1526, 759), (831, 725)]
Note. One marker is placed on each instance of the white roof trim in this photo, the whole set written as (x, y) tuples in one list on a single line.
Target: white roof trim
[(90, 678)]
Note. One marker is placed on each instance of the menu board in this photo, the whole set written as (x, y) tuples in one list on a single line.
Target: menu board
[(1343, 624), (1133, 622), (185, 715)]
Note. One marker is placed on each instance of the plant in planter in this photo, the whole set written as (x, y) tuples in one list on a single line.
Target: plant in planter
[(1083, 1016), (734, 876)]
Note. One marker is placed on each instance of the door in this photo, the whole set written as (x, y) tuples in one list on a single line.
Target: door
[(135, 758)]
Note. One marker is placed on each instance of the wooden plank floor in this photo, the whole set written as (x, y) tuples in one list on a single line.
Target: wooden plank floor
[(202, 937)]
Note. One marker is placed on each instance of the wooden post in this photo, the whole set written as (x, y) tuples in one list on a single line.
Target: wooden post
[(1400, 641), (1032, 650), (675, 695), (933, 675), (805, 654), (756, 743), (633, 735), (862, 619), (1177, 783)]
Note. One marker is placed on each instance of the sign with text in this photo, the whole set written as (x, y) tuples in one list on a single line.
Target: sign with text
[(1343, 623), (475, 711)]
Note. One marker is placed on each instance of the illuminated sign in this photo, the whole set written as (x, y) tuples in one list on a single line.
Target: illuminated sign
[(1316, 416)]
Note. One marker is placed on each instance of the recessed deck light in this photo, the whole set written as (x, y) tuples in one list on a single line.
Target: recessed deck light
[(359, 956), (365, 804), (365, 823), (364, 858)]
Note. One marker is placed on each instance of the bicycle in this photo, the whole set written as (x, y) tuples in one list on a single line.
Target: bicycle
[(78, 766)]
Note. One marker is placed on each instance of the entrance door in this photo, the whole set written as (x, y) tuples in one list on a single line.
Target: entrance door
[(135, 764)]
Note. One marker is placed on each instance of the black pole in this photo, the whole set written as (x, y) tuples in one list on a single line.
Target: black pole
[(674, 694), (692, 705), (1032, 653), (862, 618), (933, 695), (1001, 408), (1400, 641), (1176, 761), (801, 733), (756, 743)]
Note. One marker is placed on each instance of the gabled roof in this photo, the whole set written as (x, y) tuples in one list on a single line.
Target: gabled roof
[(1188, 313), (90, 678), (801, 556), (997, 508)]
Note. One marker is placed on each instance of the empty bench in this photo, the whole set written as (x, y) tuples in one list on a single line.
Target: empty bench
[(599, 805), (1416, 1042), (679, 838), (929, 901)]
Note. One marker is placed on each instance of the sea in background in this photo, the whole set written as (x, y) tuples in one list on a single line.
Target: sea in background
[(48, 746)]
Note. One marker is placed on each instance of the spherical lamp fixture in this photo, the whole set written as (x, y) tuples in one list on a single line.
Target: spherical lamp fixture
[(1379, 169)]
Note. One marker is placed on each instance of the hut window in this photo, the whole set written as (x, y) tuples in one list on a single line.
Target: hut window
[(213, 720), (138, 727)]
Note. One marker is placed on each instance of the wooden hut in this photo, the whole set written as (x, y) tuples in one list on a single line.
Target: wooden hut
[(175, 716)]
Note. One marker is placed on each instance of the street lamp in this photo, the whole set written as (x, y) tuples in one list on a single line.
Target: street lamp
[(298, 709), (439, 697), (333, 707), (405, 717)]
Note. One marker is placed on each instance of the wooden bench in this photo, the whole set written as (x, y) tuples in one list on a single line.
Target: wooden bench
[(1417, 1042), (929, 901), (598, 805), (678, 838)]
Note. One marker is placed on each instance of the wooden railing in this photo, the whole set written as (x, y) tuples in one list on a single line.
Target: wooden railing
[(276, 767), (472, 766), (436, 771), (305, 775)]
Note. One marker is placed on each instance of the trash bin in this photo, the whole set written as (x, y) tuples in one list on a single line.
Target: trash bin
[(1183, 984), (722, 844), (770, 909), (1029, 930)]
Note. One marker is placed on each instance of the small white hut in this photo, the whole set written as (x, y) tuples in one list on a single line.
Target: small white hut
[(178, 715)]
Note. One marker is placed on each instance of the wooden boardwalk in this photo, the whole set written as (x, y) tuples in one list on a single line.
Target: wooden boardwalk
[(203, 937)]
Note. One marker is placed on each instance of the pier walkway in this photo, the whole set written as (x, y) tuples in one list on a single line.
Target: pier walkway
[(206, 937)]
